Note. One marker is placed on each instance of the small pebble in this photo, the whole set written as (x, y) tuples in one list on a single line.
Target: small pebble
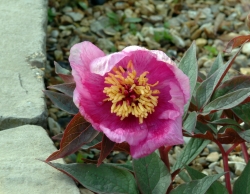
[(213, 157)]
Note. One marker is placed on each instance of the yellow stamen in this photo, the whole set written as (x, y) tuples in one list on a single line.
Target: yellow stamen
[(130, 94)]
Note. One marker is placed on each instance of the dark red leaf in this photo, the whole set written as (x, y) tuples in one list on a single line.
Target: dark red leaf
[(106, 147), (229, 136), (63, 73), (121, 147), (67, 88), (62, 101), (58, 137), (77, 133), (236, 42)]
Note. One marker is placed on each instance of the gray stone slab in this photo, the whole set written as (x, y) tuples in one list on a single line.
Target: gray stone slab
[(22, 58), (21, 172)]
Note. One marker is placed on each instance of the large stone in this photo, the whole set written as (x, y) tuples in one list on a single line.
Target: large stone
[(20, 170), (22, 60)]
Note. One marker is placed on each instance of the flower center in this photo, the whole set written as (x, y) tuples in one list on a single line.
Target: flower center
[(130, 94)]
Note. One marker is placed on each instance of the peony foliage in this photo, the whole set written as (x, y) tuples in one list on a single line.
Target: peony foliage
[(140, 102)]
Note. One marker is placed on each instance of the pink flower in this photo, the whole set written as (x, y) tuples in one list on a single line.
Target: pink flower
[(136, 95)]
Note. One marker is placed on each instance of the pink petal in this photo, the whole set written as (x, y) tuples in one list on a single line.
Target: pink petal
[(183, 82), (103, 65), (167, 133), (83, 53), (161, 56)]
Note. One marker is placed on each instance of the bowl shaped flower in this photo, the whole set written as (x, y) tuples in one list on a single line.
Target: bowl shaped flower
[(136, 95)]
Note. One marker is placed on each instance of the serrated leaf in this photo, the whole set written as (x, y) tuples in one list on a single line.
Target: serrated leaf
[(77, 133), (196, 186), (242, 111), (190, 151), (190, 122), (207, 87), (67, 88), (216, 187), (103, 179), (241, 185), (227, 101), (216, 65), (189, 66), (62, 101), (106, 147), (151, 174)]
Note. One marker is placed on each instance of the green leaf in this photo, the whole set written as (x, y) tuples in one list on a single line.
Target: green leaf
[(83, 5), (126, 166), (190, 123), (103, 179), (241, 185), (225, 122), (242, 111), (216, 115), (216, 187), (217, 63), (62, 101), (190, 151), (236, 83), (63, 73), (184, 176), (212, 50), (189, 66), (245, 135), (227, 101), (207, 87), (95, 141), (66, 88), (196, 186), (132, 20), (151, 174)]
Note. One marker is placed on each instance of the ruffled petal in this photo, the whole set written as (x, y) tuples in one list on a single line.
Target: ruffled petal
[(83, 53), (183, 82), (105, 64), (166, 133), (161, 56)]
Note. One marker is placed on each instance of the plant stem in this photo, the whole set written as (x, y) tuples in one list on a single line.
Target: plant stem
[(164, 157), (231, 148), (244, 151), (226, 167)]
